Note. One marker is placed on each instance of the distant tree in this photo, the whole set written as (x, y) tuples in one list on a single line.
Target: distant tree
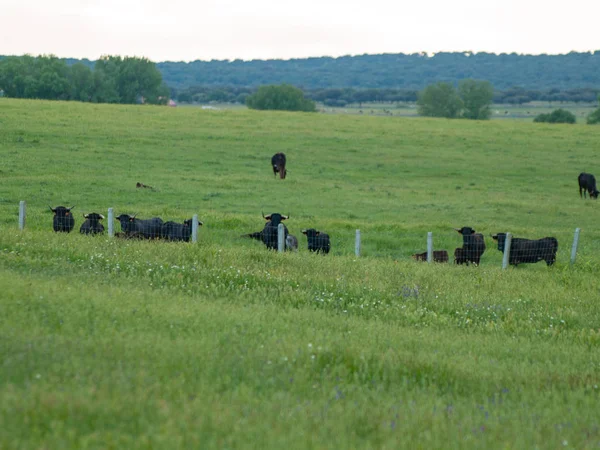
[(476, 97), (280, 97), (439, 100), (556, 116), (82, 83), (594, 117)]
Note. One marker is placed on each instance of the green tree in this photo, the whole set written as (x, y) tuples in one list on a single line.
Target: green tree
[(280, 97), (439, 100), (477, 97), (82, 83), (594, 117), (556, 116)]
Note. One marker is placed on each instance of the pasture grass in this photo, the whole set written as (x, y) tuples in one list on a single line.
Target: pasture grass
[(222, 344)]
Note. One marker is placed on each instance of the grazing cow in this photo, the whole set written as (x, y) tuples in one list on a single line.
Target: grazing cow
[(439, 256), (278, 163), (173, 231), (149, 229), (317, 241), (291, 243), (268, 235), (63, 219), (587, 182), (92, 224), (473, 246), (529, 250)]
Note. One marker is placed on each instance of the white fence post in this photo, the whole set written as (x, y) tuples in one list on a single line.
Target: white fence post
[(195, 228), (22, 215), (280, 238), (111, 224), (357, 243), (430, 247), (506, 256), (575, 244)]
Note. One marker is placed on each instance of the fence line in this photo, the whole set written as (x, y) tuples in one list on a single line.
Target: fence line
[(538, 250)]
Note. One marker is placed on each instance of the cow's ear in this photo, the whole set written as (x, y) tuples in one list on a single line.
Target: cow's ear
[(85, 216), (303, 231), (52, 209), (267, 217), (131, 219), (317, 233)]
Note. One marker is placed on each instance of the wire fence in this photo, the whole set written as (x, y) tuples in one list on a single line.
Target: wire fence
[(461, 246)]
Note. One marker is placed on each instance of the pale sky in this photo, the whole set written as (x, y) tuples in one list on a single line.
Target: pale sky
[(185, 30)]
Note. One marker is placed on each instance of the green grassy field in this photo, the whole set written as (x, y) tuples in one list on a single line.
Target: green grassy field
[(222, 344)]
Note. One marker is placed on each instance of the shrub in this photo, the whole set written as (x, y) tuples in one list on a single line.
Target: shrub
[(283, 97), (556, 116)]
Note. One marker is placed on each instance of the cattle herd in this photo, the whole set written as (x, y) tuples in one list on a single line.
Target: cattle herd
[(521, 250)]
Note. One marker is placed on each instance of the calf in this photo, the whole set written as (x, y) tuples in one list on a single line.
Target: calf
[(473, 247), (278, 163), (63, 219), (149, 229), (268, 235), (587, 182), (92, 224), (439, 256), (317, 241), (291, 243), (529, 250), (173, 231)]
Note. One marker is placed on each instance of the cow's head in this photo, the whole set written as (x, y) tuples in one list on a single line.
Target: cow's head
[(311, 232), (594, 194), (93, 217), (465, 231), (126, 222), (275, 218), (500, 238), (61, 211), (188, 222)]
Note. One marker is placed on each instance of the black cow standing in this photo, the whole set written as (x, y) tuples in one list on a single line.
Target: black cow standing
[(268, 235), (149, 229), (173, 231), (317, 241), (92, 224), (587, 182), (528, 250), (278, 163), (63, 219), (472, 249)]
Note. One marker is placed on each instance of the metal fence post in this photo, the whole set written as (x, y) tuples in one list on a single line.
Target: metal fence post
[(111, 225), (575, 244), (430, 247), (280, 238), (195, 228), (506, 256), (22, 215), (357, 243)]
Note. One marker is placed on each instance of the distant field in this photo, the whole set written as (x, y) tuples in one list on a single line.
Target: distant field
[(223, 344)]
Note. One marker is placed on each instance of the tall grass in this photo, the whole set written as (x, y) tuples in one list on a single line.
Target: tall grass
[(223, 344)]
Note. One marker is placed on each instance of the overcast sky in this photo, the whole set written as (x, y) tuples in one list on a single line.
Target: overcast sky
[(186, 30)]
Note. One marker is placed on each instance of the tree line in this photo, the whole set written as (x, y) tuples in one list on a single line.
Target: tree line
[(113, 79), (398, 71), (337, 97)]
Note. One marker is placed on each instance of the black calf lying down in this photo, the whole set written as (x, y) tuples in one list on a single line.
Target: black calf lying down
[(439, 256), (529, 250)]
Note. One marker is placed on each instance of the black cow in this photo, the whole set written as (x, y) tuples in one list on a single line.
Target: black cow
[(472, 249), (529, 250), (173, 231), (63, 219), (92, 224), (278, 163), (439, 256), (149, 229), (317, 241), (587, 182), (268, 235)]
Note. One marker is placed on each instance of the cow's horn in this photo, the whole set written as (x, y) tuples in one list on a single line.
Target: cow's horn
[(51, 208), (284, 217), (85, 216), (71, 208), (101, 216)]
